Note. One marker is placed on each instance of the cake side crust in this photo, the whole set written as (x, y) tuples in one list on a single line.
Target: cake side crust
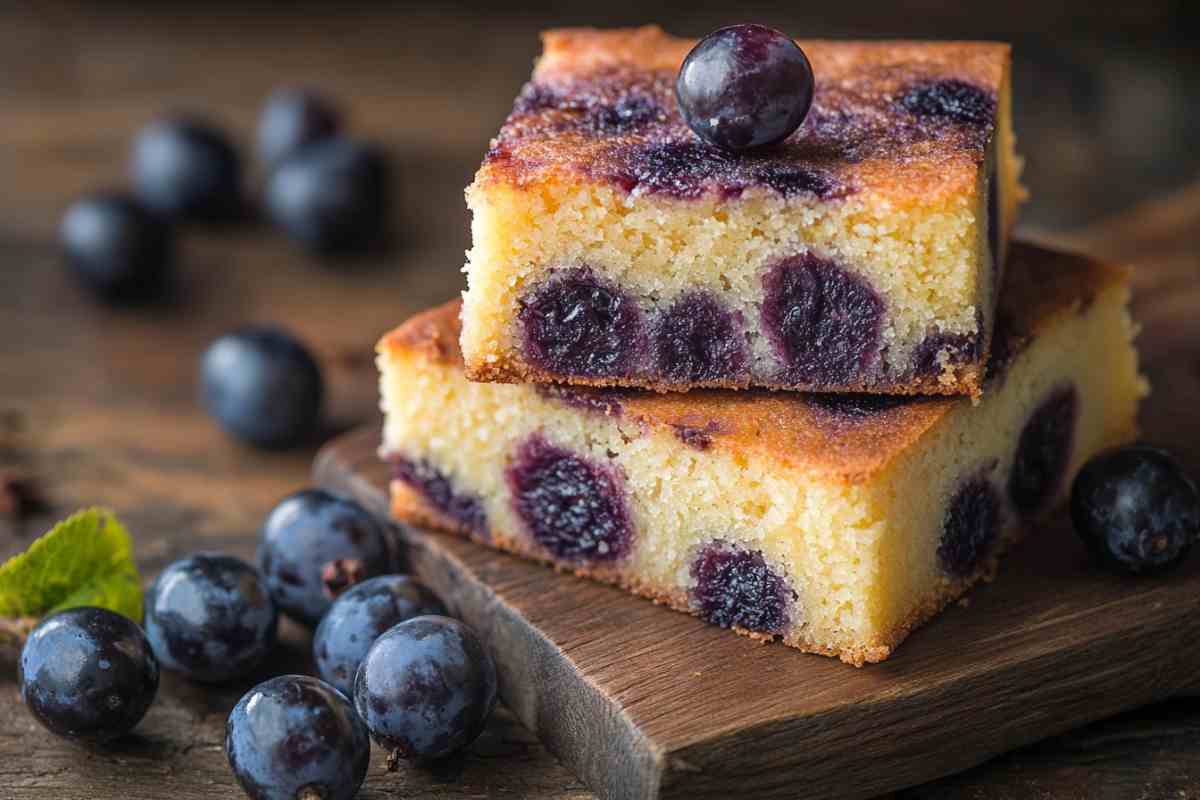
[(954, 380), (412, 508), (903, 176)]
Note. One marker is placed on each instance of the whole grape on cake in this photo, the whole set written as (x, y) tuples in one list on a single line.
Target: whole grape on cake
[(834, 522), (614, 246)]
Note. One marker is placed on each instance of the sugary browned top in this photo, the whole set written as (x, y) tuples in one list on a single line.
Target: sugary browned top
[(848, 436), (902, 119)]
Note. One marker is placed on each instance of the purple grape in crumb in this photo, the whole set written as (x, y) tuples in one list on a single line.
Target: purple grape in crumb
[(745, 86), (263, 387), (87, 674), (696, 339), (331, 197), (572, 506), (210, 617), (292, 119), (425, 689), (186, 168), (1044, 451), (736, 587), (315, 544), (825, 322), (297, 738), (971, 527), (359, 616), (117, 248), (1136, 510), (578, 323)]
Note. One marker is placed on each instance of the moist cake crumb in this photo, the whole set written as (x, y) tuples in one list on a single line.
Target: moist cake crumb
[(833, 522)]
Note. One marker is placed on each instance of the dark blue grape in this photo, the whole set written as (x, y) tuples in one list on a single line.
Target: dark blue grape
[(1135, 509), (210, 617), (332, 196), (297, 738), (313, 545), (425, 688), (88, 674), (359, 616), (262, 386), (745, 86), (186, 168), (293, 119), (117, 247)]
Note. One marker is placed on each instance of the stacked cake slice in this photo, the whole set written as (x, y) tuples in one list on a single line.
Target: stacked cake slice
[(893, 202), (916, 392)]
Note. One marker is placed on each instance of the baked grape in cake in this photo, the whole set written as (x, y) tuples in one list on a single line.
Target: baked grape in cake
[(293, 119), (835, 522), (861, 253)]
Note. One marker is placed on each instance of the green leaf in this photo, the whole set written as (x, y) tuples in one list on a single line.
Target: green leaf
[(85, 560)]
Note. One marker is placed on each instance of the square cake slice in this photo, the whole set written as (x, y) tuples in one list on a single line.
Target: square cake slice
[(612, 247), (835, 522)]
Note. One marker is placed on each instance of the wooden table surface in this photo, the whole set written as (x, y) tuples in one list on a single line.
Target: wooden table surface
[(98, 406)]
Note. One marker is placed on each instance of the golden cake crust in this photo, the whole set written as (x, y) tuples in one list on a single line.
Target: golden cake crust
[(601, 106), (847, 437)]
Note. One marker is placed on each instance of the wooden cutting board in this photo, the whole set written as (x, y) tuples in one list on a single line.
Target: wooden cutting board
[(644, 702)]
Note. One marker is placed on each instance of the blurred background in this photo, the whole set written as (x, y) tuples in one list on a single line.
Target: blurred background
[(1106, 92)]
